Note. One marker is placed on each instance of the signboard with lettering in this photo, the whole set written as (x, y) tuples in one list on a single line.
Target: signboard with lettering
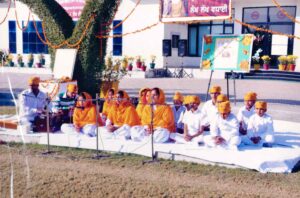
[(227, 52), (194, 10), (73, 7)]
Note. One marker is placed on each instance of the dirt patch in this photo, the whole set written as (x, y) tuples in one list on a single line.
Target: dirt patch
[(72, 173)]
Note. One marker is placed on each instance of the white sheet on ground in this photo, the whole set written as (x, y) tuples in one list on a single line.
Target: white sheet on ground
[(281, 158)]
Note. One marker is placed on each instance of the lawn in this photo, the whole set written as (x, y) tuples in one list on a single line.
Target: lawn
[(74, 173)]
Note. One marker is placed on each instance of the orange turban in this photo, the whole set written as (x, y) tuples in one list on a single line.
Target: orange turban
[(34, 81), (194, 99), (186, 100), (261, 105), (178, 96), (72, 88), (250, 96), (222, 98), (215, 89), (224, 107)]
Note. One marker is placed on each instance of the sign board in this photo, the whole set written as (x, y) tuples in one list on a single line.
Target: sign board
[(194, 10), (279, 45), (227, 52), (73, 7), (64, 63)]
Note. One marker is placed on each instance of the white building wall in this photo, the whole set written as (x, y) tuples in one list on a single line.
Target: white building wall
[(22, 13)]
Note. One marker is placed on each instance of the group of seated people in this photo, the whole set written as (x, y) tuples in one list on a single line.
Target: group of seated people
[(214, 125)]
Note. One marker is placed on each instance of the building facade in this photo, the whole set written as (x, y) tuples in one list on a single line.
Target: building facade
[(261, 13)]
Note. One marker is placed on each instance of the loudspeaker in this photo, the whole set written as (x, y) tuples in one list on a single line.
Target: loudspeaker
[(166, 47), (182, 48)]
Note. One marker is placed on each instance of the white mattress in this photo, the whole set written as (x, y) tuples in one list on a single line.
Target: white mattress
[(281, 158)]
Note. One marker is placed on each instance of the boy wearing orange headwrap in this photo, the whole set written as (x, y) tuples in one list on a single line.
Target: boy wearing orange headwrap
[(108, 103), (193, 129), (157, 119), (32, 104), (121, 118), (178, 109), (224, 129), (260, 129), (63, 106), (84, 117), (246, 112), (209, 109), (142, 101)]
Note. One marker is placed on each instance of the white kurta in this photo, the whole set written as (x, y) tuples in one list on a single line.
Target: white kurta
[(244, 116), (194, 121), (30, 105), (209, 112), (177, 116), (260, 127), (123, 132), (228, 129)]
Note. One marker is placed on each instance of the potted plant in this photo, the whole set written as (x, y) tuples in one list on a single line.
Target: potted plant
[(124, 62), (143, 67), (266, 60), (42, 59), (282, 63), (291, 60), (256, 59), (152, 64), (111, 75), (138, 61), (10, 58), (130, 66), (30, 60), (20, 60)]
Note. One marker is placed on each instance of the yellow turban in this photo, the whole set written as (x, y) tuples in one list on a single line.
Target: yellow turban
[(224, 107), (250, 96), (222, 98), (194, 99), (178, 96), (34, 81), (72, 88), (261, 105), (215, 89), (186, 100)]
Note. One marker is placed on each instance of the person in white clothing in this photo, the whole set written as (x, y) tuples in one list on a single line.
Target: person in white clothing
[(32, 104), (209, 109), (193, 130), (178, 109), (260, 131), (246, 112), (224, 129)]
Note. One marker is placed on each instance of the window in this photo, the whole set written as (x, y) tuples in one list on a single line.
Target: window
[(31, 42), (197, 31), (12, 37), (117, 42)]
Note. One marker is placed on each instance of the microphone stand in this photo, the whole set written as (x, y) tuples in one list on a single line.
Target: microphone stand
[(97, 155), (153, 154), (48, 129)]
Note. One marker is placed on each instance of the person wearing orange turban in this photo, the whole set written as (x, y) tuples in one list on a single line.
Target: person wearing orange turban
[(193, 129), (32, 104), (108, 104), (209, 109), (84, 117), (142, 101), (260, 131), (224, 130), (157, 119), (246, 111), (121, 118), (178, 109)]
